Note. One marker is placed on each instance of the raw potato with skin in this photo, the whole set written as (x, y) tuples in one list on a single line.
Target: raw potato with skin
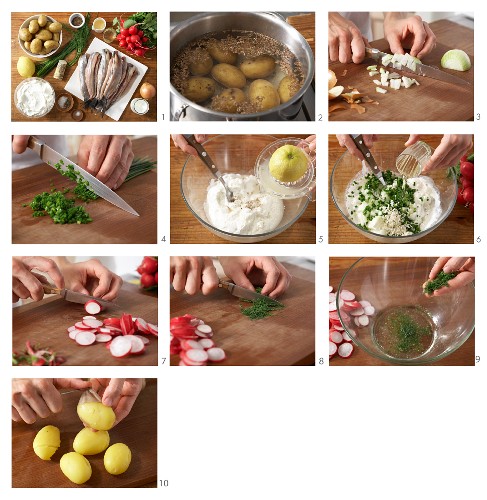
[(263, 94), (229, 76), (47, 442), (199, 89)]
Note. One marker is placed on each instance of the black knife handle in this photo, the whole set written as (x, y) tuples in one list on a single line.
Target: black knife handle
[(369, 159), (203, 154)]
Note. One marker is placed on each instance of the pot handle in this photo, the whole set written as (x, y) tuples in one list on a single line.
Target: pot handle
[(275, 14), (179, 112)]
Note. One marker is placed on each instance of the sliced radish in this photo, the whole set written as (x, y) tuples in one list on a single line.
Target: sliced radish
[(182, 363), (81, 326), (141, 325), (345, 350), (92, 307), (356, 321), (363, 320), (357, 312), (351, 333), (332, 349), (347, 295), (103, 337), (71, 328), (145, 340), (189, 362), (85, 338), (186, 345), (216, 354), (72, 334), (89, 317), (346, 337), (336, 337), (330, 289), (185, 332), (138, 347), (112, 322), (334, 315), (197, 355), (339, 328), (332, 306), (105, 330), (206, 329), (206, 343), (369, 310), (332, 297), (152, 329), (351, 305), (120, 346), (93, 323), (365, 303)]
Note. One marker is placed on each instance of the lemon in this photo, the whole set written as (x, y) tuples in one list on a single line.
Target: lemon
[(26, 67), (288, 163)]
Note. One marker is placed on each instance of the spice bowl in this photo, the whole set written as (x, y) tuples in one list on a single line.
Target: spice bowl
[(407, 327), (236, 154), (385, 154)]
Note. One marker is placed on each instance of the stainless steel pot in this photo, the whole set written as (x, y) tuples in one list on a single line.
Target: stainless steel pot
[(266, 23)]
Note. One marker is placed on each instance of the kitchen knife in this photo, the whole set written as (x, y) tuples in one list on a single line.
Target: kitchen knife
[(369, 159), (421, 69), (52, 157), (243, 293), (79, 298)]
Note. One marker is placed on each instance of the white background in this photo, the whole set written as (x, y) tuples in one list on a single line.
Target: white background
[(288, 432)]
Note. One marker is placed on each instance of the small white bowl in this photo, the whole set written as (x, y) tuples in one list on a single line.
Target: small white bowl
[(99, 30), (25, 24), (74, 16)]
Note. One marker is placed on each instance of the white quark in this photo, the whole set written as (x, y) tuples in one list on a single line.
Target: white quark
[(252, 212), (35, 97)]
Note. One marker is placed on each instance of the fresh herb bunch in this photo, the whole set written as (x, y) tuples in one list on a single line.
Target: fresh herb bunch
[(440, 281), (408, 333), (260, 308)]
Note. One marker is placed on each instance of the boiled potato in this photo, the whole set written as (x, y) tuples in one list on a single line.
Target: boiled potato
[(36, 46), (117, 458), (25, 35), (229, 76), (288, 86), (75, 467), (96, 415), (263, 94), (50, 45), (56, 37), (46, 442), (88, 442), (228, 100), (33, 26), (203, 63), (55, 27), (199, 88), (42, 20), (44, 35), (27, 46), (258, 67), (220, 55)]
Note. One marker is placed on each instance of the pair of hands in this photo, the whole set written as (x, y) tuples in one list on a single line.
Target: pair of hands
[(195, 274), (452, 147), (90, 277), (346, 43), (466, 273), (40, 397), (107, 157)]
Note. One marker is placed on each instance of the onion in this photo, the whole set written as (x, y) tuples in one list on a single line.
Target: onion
[(147, 91), (456, 59), (332, 79)]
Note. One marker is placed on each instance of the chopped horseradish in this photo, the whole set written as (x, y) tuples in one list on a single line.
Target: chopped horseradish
[(441, 280), (401, 207)]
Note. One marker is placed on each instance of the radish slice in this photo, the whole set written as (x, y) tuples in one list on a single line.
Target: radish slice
[(363, 320), (81, 326), (145, 340), (103, 337), (206, 343), (141, 325), (71, 328), (89, 317), (182, 363), (352, 333), (351, 305), (356, 321), (92, 307), (198, 355), (112, 322), (369, 310), (336, 337), (332, 297), (332, 306), (105, 330), (73, 333), (93, 323), (215, 354), (137, 345), (85, 338), (330, 289), (152, 329), (332, 349), (120, 346), (347, 295), (339, 328), (189, 362), (345, 350), (346, 337), (206, 329), (357, 312), (334, 315), (186, 345), (364, 303)]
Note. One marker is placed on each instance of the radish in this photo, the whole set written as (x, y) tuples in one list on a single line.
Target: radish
[(345, 350), (186, 332), (186, 345), (92, 323), (103, 337), (145, 340), (152, 329), (364, 303), (112, 322), (332, 306), (197, 355), (85, 338), (141, 325), (332, 349), (89, 317), (127, 324), (71, 328), (106, 331), (189, 362), (346, 337), (73, 333), (369, 310), (363, 320), (336, 337), (205, 330), (216, 354), (357, 312), (138, 347), (351, 305), (92, 307), (120, 346), (330, 289), (206, 343), (346, 295), (332, 297)]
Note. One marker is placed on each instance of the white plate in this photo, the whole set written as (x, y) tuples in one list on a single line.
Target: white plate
[(116, 110)]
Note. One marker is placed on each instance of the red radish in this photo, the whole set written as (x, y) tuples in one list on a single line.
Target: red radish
[(369, 310), (89, 317), (182, 363), (198, 355), (351, 305), (330, 289), (332, 349), (336, 337), (206, 343), (138, 347), (346, 337), (147, 280), (363, 320), (127, 324), (71, 328), (216, 354), (185, 332), (206, 329), (112, 322), (175, 346), (120, 346), (93, 323), (85, 338), (133, 30), (92, 307), (345, 350), (73, 333), (124, 32), (357, 312), (332, 297), (145, 340), (81, 326), (189, 362), (152, 329), (141, 325), (468, 194), (364, 303), (347, 295), (186, 345), (103, 337), (140, 33), (334, 316), (332, 306)]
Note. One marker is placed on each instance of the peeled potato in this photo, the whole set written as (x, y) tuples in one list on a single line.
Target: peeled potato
[(117, 458), (88, 442), (258, 67), (263, 94), (46, 442), (96, 415), (288, 86), (203, 63), (75, 467), (220, 55), (228, 100), (199, 88), (229, 76)]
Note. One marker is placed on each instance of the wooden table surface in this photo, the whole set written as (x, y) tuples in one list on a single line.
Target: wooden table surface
[(464, 356), (185, 228), (305, 24), (29, 471), (432, 100), (457, 228), (45, 324), (55, 115), (284, 339), (110, 224)]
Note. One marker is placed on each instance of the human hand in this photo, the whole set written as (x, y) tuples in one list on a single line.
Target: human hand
[(180, 142), (345, 42), (466, 273), (346, 141), (309, 144), (452, 147), (19, 143), (193, 274), (34, 398), (26, 283), (90, 277), (119, 393), (408, 33), (107, 157), (266, 272)]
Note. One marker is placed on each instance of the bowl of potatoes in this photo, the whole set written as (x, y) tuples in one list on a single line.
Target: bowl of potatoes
[(40, 36)]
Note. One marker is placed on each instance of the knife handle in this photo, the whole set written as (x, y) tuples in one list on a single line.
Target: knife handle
[(203, 154), (359, 142), (226, 285), (50, 289), (35, 144)]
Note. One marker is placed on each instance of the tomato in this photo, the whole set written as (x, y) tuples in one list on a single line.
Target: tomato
[(133, 30), (468, 194), (467, 169)]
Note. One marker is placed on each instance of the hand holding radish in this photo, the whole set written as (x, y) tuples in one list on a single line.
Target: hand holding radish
[(346, 141), (193, 274), (180, 142), (34, 398), (345, 42), (466, 272), (266, 272), (26, 283)]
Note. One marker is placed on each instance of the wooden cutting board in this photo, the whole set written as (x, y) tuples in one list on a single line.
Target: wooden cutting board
[(45, 324), (286, 338), (432, 100), (464, 356), (110, 223), (138, 431), (55, 115), (305, 24)]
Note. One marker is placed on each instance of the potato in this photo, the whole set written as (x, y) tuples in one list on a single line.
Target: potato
[(27, 46), (33, 26), (36, 46), (117, 458), (199, 88), (25, 35), (75, 467), (202, 64), (88, 442), (228, 100), (96, 415), (287, 87), (55, 27), (263, 94), (50, 45), (46, 442), (56, 37), (258, 67), (229, 76), (42, 20), (44, 35), (220, 55)]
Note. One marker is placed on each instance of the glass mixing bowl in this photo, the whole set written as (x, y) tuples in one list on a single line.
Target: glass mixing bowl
[(385, 154), (396, 281), (232, 154)]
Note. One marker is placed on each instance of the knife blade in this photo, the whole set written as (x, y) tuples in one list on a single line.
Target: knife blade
[(243, 293), (369, 159), (421, 69), (52, 158), (78, 298)]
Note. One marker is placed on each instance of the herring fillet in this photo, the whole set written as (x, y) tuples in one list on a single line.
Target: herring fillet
[(82, 67), (100, 77)]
